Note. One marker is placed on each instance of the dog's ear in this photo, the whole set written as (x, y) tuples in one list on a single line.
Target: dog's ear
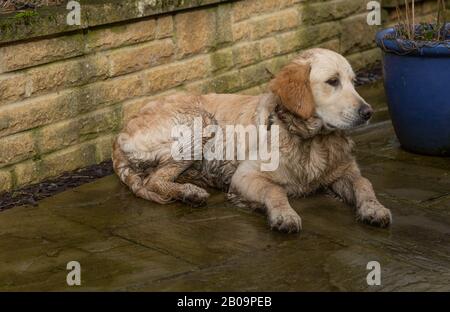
[(293, 87)]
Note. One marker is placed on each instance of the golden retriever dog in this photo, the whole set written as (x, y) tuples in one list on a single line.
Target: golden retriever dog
[(311, 102)]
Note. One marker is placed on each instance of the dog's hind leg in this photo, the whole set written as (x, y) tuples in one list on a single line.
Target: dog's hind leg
[(157, 182), (162, 182)]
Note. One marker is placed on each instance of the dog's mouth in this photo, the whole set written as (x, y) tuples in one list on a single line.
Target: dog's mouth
[(347, 126), (360, 123)]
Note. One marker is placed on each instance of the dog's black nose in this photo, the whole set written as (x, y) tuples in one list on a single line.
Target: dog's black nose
[(365, 111)]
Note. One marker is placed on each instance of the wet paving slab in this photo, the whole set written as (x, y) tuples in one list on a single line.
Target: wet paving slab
[(126, 243)]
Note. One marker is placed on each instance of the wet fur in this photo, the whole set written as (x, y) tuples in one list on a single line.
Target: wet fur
[(313, 156)]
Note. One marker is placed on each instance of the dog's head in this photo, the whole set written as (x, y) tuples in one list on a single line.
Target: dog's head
[(320, 83)]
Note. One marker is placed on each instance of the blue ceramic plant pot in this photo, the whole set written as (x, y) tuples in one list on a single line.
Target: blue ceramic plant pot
[(417, 84)]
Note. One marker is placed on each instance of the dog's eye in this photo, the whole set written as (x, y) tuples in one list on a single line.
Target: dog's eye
[(333, 82)]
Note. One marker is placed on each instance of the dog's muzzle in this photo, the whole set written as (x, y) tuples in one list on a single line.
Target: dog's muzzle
[(365, 112)]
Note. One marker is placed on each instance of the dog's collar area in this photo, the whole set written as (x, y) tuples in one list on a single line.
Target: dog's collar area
[(285, 115), (305, 129), (330, 127)]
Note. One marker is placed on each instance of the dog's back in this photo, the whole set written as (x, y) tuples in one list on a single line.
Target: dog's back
[(144, 146)]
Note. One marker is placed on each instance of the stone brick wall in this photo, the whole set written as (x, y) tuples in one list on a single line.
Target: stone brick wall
[(65, 91)]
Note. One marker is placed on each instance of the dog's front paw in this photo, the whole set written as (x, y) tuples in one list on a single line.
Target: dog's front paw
[(285, 221), (193, 195), (374, 213)]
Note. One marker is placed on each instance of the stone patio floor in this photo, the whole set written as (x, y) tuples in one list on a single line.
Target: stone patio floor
[(125, 243)]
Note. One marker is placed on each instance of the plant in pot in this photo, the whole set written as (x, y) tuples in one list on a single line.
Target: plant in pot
[(416, 67)]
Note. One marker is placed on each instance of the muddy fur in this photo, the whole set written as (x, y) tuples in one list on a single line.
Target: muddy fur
[(312, 100)]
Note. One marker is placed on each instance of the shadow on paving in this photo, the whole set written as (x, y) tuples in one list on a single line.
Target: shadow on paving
[(125, 243)]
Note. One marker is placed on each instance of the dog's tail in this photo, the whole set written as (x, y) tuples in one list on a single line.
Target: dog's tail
[(132, 178)]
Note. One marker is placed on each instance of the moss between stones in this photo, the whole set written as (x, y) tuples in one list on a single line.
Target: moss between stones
[(33, 23), (26, 15), (52, 20)]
